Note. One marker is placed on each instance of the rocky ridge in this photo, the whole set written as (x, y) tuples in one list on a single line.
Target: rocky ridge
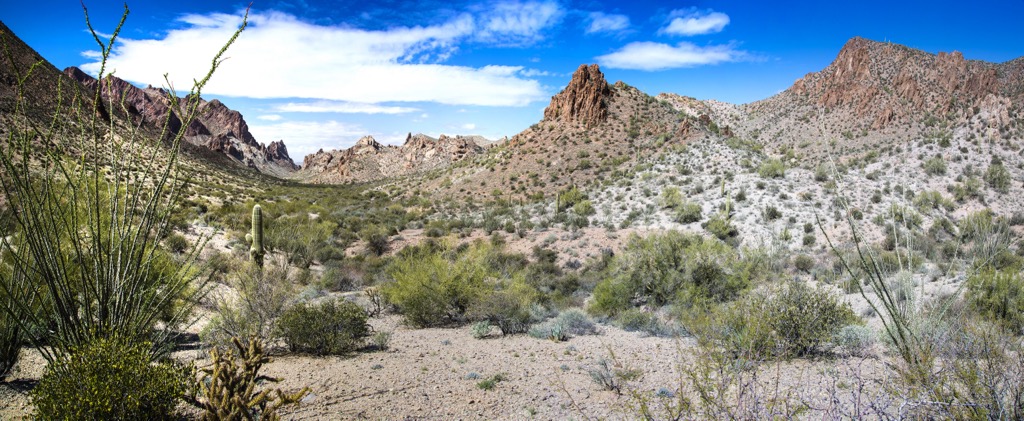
[(369, 160), (216, 127), (583, 100)]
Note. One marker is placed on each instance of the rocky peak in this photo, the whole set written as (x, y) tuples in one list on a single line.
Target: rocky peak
[(584, 100), (277, 152), (366, 144), (222, 120)]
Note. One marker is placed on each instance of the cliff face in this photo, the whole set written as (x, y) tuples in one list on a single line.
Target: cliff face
[(216, 127), (584, 100), (368, 160)]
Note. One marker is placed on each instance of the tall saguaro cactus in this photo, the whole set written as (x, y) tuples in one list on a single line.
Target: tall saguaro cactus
[(255, 236)]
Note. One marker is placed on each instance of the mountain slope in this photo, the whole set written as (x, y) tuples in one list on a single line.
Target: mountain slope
[(216, 127)]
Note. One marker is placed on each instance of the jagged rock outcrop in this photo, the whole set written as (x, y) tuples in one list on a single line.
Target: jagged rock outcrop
[(584, 100), (216, 127), (369, 160)]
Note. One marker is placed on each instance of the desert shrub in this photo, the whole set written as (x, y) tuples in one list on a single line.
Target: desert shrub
[(998, 178), (109, 378), (612, 375), (433, 288), (262, 296), (771, 213), (583, 208), (803, 262), (998, 295), (667, 267), (176, 243), (786, 321), (671, 197), (722, 228), (687, 213), (855, 339), (570, 198), (569, 323), (934, 166), (480, 330), (809, 240), (10, 343), (376, 239), (772, 168), (504, 309), (330, 327)]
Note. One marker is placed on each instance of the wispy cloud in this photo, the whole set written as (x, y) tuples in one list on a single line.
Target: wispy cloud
[(602, 22), (341, 107), (269, 117), (694, 22), (516, 23), (652, 56), (306, 137), (280, 56)]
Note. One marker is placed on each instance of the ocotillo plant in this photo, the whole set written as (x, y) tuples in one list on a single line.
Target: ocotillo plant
[(255, 236)]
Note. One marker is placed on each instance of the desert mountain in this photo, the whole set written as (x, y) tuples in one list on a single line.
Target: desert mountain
[(217, 127), (877, 93), (369, 160)]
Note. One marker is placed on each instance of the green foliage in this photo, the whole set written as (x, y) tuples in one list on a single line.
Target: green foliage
[(263, 295), (433, 288), (671, 198), (998, 295), (772, 168), (490, 382), (569, 198), (569, 323), (783, 322), (90, 199), (229, 386), (855, 339), (931, 199), (688, 212), (480, 330), (329, 327), (504, 309), (583, 208), (109, 378), (998, 177), (934, 166), (803, 262), (668, 267), (722, 228), (376, 239), (176, 243)]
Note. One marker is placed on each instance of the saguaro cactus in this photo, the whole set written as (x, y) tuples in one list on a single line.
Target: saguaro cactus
[(255, 236)]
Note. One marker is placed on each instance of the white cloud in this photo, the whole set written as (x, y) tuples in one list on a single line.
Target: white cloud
[(694, 22), (269, 117), (518, 23), (656, 56), (601, 22), (469, 126), (306, 137), (534, 73), (279, 56), (341, 107)]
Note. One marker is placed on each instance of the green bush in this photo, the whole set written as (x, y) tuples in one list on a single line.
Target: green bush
[(670, 267), (433, 288), (504, 309), (772, 168), (330, 327), (10, 342), (376, 239), (110, 379), (855, 339), (583, 208), (176, 243), (934, 166), (671, 198), (569, 323), (782, 322), (688, 212), (998, 295), (803, 262), (998, 177), (722, 228), (569, 198), (263, 294)]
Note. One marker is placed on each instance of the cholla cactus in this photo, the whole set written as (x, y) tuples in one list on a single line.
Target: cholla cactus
[(255, 236)]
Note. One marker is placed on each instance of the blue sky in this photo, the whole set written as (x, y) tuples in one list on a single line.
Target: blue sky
[(320, 74)]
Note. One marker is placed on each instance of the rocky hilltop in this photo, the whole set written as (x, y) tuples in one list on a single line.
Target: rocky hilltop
[(216, 127), (875, 93), (584, 100), (369, 160)]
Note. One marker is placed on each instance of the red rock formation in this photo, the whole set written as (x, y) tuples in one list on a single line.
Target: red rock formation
[(583, 100)]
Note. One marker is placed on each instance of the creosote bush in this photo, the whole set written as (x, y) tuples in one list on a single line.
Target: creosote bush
[(330, 327), (998, 295)]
